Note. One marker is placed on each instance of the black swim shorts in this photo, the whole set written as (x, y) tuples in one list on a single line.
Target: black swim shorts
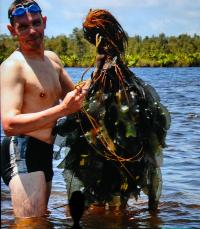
[(24, 154)]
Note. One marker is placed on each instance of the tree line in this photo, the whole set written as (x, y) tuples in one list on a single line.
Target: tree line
[(154, 51)]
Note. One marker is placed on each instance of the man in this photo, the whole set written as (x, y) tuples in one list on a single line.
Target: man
[(32, 83)]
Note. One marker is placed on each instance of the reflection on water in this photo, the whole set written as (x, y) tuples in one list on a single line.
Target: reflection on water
[(180, 201), (32, 223)]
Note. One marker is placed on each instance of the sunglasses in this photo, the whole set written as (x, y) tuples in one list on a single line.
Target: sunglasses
[(22, 9)]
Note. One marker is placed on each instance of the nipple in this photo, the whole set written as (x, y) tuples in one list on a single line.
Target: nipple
[(42, 94)]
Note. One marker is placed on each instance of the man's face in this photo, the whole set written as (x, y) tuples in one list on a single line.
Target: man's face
[(29, 30)]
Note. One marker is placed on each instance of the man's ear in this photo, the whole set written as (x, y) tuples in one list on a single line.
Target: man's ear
[(12, 30), (44, 19)]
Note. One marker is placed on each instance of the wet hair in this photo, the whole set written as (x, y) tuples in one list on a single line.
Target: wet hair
[(113, 38), (13, 6)]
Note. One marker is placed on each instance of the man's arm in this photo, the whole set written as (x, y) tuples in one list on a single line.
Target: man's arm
[(12, 91), (66, 82)]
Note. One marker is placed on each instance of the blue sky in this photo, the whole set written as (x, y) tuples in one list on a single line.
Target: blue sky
[(137, 17)]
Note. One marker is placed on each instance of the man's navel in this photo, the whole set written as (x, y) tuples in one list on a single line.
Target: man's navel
[(42, 94)]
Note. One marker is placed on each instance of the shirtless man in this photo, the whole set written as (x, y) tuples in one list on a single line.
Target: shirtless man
[(33, 82)]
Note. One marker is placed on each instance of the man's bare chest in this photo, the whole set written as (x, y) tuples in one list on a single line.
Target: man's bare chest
[(42, 82)]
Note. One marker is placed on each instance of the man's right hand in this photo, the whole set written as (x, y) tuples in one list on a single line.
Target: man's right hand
[(73, 101)]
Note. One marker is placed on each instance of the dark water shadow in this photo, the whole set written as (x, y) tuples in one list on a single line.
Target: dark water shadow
[(99, 217)]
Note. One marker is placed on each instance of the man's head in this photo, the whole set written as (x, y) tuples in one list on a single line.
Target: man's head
[(27, 22), (20, 7)]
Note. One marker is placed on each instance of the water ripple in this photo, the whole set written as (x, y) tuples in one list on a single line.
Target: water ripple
[(180, 200)]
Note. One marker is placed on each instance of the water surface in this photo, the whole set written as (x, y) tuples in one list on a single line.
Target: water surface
[(179, 89)]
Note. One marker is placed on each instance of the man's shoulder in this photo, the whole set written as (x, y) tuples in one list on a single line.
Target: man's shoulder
[(53, 56), (15, 60), (12, 65)]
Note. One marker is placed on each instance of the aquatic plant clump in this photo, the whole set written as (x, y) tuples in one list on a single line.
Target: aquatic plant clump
[(116, 140)]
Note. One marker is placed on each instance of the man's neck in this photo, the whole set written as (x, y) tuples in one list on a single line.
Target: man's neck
[(37, 54)]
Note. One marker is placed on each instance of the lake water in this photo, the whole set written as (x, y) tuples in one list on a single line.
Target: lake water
[(179, 89)]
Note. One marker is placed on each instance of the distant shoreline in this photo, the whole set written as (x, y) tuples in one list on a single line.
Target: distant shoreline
[(140, 66), (156, 51)]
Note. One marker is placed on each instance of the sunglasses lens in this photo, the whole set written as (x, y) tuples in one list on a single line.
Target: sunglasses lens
[(19, 11), (34, 9)]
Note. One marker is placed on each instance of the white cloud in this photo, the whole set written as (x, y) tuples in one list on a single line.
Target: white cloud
[(109, 4), (94, 3), (159, 25), (193, 14), (136, 16), (174, 25), (45, 4), (69, 15)]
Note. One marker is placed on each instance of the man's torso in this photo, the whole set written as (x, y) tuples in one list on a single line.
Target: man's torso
[(42, 89)]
